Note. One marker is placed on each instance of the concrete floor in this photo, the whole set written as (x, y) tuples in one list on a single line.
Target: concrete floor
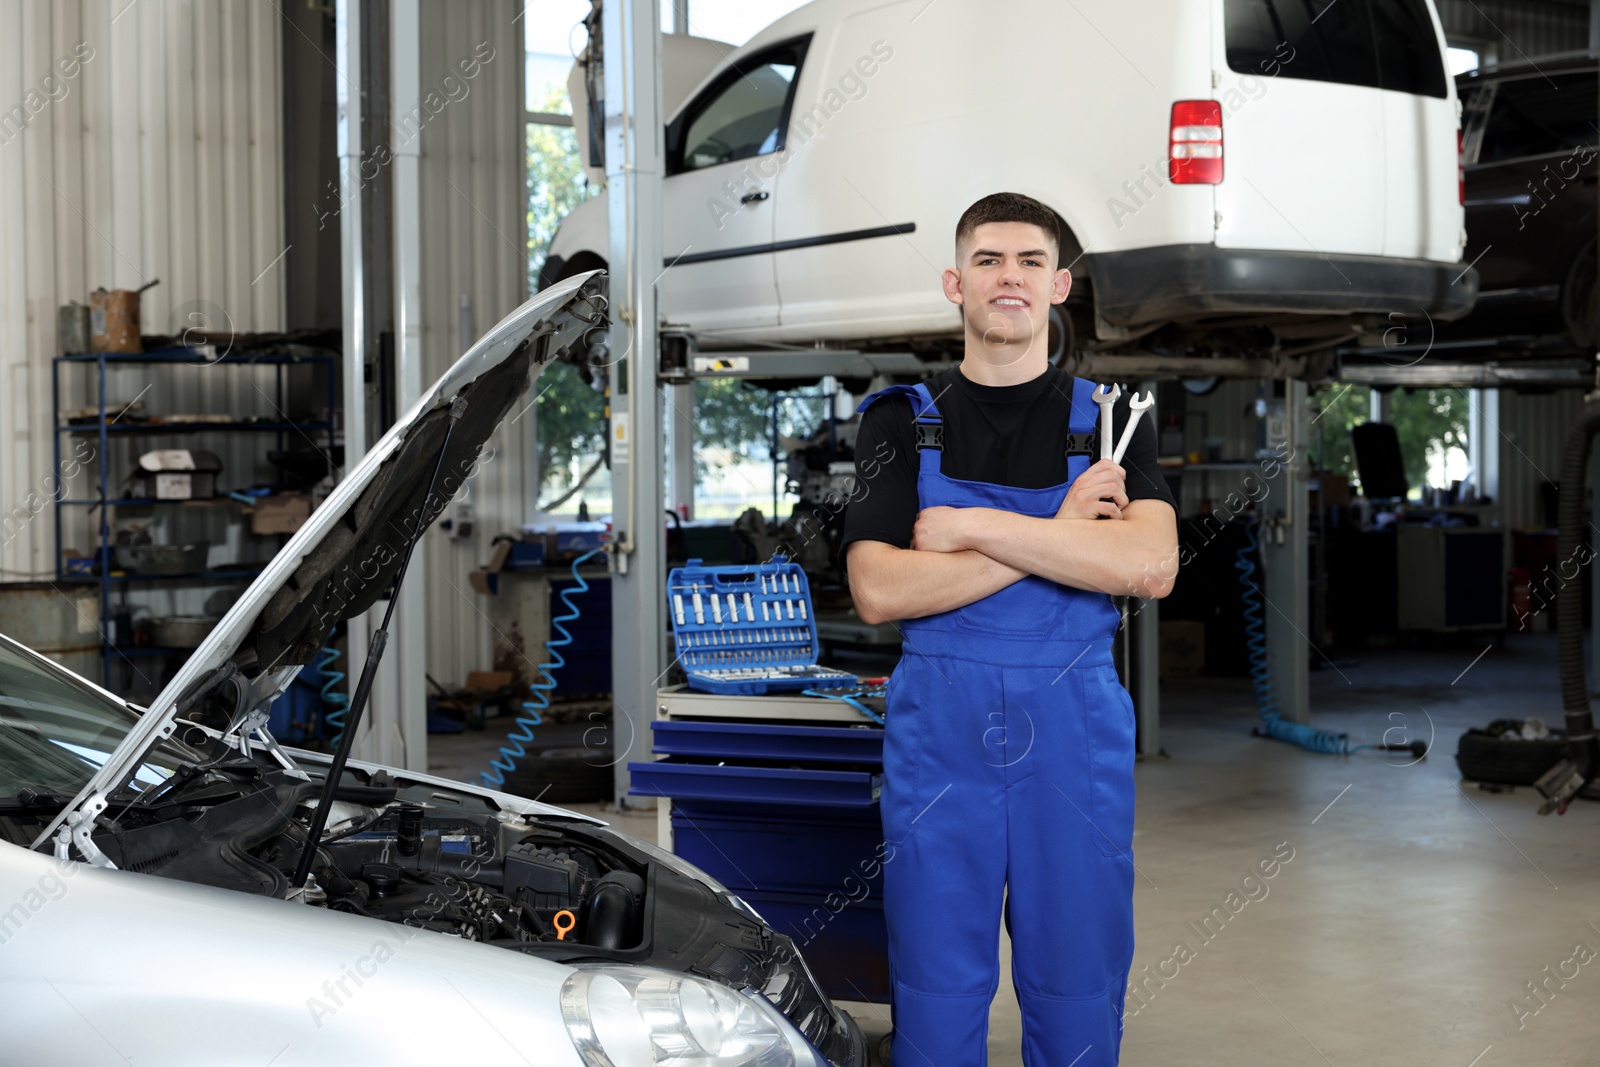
[(1414, 910)]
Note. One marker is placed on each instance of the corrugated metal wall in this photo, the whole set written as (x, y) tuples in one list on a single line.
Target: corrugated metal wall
[(161, 157), (1519, 28), (474, 247), (137, 141), (1533, 434)]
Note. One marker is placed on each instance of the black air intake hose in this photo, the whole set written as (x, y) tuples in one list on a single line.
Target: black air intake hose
[(1569, 608), (616, 911)]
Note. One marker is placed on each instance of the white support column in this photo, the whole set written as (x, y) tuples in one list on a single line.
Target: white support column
[(353, 279), (1146, 643), (400, 721), (1284, 544), (680, 445), (633, 152)]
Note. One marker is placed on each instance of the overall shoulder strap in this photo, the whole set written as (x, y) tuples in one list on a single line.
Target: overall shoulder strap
[(929, 423), (1081, 426)]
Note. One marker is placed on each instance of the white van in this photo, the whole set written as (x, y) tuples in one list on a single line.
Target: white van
[(1235, 176)]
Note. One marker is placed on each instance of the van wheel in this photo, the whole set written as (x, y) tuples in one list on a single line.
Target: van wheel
[(1580, 300), (1063, 340), (1071, 322)]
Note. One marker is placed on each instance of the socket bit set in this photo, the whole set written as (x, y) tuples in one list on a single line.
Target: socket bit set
[(747, 629)]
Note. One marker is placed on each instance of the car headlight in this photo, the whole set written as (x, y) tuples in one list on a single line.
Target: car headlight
[(622, 1016)]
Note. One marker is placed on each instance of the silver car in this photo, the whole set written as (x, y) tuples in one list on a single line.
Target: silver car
[(150, 904)]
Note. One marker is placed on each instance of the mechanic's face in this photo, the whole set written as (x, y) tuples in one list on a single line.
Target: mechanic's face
[(1005, 283)]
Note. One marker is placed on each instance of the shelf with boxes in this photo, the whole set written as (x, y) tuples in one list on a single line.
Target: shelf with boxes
[(134, 495)]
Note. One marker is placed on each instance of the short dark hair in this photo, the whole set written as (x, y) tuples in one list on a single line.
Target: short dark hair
[(1010, 207)]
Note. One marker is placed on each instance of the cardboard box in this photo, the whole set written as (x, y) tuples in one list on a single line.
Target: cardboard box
[(486, 580), (1333, 490), (488, 681), (1183, 648), (280, 513)]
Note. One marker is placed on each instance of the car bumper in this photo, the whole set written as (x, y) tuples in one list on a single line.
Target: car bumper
[(1181, 282)]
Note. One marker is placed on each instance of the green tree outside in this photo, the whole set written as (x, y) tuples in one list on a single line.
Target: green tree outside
[(728, 414), (1427, 422)]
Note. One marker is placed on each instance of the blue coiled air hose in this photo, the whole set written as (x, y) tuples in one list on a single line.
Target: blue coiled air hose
[(332, 721), (849, 695), (513, 749), (1272, 724)]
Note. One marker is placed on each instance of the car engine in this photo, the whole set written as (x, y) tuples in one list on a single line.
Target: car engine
[(423, 856)]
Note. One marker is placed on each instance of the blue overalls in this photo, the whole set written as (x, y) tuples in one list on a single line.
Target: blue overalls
[(1008, 775)]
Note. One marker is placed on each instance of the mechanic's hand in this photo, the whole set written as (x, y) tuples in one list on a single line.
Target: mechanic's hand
[(941, 529), (1098, 492)]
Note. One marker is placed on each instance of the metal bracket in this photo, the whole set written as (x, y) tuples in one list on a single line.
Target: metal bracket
[(255, 722), (78, 830)]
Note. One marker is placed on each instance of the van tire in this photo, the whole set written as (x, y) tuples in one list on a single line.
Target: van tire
[(1580, 300), (1072, 321)]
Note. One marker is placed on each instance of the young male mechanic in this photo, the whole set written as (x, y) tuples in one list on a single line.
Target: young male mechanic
[(980, 522)]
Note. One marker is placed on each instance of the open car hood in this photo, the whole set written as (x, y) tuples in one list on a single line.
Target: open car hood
[(349, 552)]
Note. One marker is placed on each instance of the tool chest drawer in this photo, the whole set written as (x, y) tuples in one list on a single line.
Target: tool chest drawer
[(679, 779), (730, 739), (784, 848)]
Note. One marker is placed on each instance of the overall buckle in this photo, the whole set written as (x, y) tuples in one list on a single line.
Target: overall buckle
[(930, 435), (1080, 444)]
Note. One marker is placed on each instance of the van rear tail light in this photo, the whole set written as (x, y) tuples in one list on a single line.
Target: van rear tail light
[(1195, 143), (1461, 172)]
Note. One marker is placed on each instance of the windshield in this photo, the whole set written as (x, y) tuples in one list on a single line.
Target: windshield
[(55, 732)]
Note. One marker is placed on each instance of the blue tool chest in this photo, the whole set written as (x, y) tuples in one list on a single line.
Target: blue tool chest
[(747, 629), (786, 815)]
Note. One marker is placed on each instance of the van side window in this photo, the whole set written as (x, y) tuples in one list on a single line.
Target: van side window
[(1532, 117), (1380, 44), (1408, 52), (744, 113)]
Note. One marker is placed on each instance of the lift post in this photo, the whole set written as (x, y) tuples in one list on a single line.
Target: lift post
[(630, 46)]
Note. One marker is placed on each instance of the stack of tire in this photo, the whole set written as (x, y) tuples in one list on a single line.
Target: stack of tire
[(1501, 755)]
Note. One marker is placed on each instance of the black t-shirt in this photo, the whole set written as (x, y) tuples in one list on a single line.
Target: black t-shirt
[(1013, 435)]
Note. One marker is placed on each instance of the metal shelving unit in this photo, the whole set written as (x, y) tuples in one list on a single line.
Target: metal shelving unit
[(104, 429)]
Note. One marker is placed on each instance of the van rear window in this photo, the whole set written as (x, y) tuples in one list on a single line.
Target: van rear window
[(1380, 44)]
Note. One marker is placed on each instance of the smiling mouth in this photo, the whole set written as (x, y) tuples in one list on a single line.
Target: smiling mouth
[(1009, 302)]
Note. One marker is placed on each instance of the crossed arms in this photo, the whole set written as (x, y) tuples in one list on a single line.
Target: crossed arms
[(961, 555)]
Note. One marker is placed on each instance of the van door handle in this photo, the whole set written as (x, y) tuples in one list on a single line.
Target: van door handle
[(751, 198)]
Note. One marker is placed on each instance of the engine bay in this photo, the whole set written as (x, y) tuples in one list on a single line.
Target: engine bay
[(484, 879), (454, 862)]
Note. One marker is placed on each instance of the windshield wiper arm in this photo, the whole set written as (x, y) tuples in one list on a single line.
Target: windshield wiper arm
[(33, 800)]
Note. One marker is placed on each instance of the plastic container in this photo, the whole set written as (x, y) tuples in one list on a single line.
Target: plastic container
[(747, 630)]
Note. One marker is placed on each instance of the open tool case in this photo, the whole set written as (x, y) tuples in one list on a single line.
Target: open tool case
[(747, 630)]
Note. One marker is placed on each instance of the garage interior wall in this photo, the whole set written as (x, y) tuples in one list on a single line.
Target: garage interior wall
[(158, 157), (1514, 29), (473, 175), (1533, 436)]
